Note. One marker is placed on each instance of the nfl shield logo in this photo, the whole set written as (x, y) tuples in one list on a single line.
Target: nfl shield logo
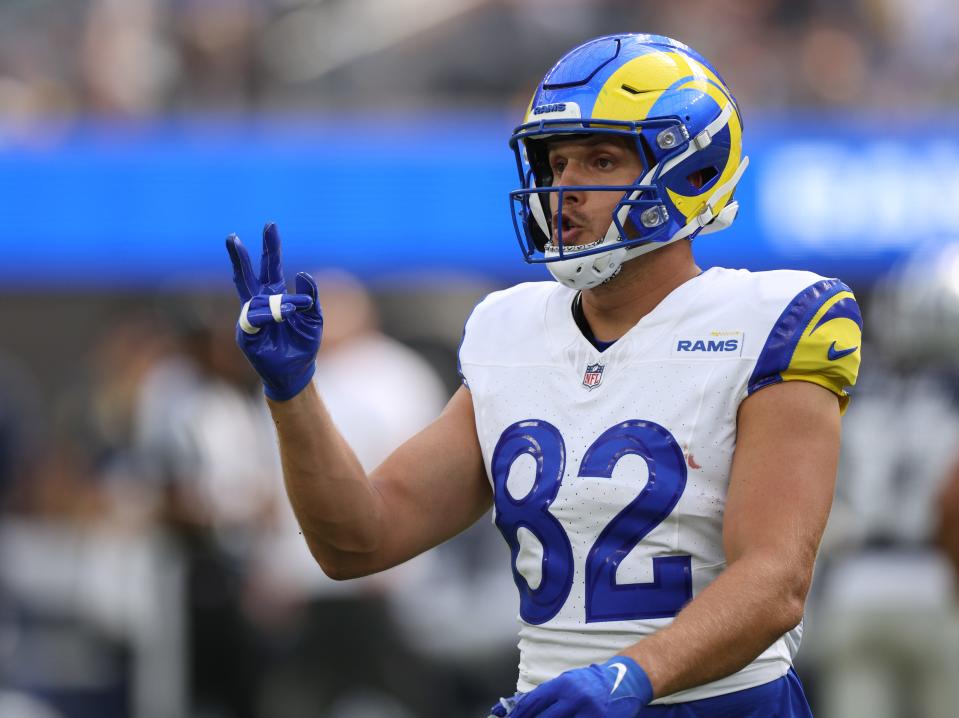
[(593, 376)]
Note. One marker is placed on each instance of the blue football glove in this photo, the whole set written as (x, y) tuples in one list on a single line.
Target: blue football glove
[(278, 332), (618, 688), (503, 708)]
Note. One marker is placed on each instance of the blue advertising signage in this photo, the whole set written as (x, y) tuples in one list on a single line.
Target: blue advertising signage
[(407, 198)]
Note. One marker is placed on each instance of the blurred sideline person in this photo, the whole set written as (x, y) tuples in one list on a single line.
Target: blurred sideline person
[(249, 583), (91, 623), (885, 616), (379, 393), (199, 439), (659, 443), (259, 613)]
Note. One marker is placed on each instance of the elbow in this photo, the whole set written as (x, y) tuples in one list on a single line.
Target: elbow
[(338, 569), (339, 565), (338, 572), (780, 584), (793, 600), (793, 610)]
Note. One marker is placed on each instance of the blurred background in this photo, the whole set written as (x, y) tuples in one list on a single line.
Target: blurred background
[(149, 566)]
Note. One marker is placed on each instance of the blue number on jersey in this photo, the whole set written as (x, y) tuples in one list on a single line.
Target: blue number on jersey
[(672, 583), (606, 600), (543, 442)]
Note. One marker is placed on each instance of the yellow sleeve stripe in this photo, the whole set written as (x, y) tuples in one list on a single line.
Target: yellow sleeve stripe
[(816, 339)]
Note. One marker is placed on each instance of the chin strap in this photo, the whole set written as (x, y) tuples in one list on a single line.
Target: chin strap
[(724, 219)]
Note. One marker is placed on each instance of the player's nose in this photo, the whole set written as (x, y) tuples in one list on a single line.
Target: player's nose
[(573, 176), (572, 195)]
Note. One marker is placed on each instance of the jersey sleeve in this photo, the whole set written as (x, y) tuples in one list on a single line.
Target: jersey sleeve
[(496, 332), (459, 361), (459, 355), (469, 342), (817, 339)]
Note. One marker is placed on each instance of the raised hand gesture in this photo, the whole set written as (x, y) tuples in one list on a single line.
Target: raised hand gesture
[(278, 332)]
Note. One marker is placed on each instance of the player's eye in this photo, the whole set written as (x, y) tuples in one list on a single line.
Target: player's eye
[(604, 163), (557, 165)]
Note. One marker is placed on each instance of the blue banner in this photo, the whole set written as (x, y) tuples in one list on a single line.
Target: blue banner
[(414, 198)]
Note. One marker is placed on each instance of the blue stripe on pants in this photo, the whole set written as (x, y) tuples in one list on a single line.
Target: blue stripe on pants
[(782, 698)]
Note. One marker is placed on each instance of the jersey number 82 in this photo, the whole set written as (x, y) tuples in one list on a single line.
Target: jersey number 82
[(606, 600)]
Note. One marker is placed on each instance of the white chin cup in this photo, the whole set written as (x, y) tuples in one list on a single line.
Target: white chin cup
[(587, 272)]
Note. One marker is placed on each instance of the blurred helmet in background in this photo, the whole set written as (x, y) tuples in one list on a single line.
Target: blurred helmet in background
[(915, 314), (667, 99)]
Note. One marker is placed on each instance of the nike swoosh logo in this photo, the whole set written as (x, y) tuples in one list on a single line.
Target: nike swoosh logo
[(835, 354), (621, 673)]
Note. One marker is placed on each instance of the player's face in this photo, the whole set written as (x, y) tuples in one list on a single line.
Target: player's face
[(596, 160)]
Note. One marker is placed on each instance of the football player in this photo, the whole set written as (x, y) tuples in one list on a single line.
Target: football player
[(658, 443), (887, 628)]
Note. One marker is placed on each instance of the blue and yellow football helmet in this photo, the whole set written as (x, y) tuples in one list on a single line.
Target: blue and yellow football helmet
[(670, 101)]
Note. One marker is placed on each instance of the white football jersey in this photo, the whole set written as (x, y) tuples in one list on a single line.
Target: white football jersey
[(610, 469)]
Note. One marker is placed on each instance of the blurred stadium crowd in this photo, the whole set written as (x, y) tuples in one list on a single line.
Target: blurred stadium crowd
[(137, 57), (149, 564)]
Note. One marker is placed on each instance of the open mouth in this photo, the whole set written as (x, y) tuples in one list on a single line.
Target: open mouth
[(568, 222), (571, 227)]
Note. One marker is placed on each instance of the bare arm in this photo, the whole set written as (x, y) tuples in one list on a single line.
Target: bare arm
[(781, 488), (427, 491)]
